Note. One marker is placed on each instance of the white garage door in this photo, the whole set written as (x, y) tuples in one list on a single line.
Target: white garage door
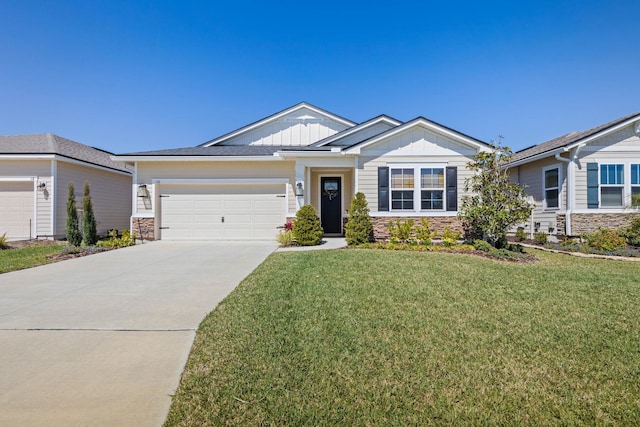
[(209, 212), (16, 209)]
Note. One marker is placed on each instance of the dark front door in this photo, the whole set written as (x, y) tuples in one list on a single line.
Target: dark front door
[(331, 204)]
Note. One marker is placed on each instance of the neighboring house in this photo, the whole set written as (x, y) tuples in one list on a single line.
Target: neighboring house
[(247, 183), (583, 180), (34, 173)]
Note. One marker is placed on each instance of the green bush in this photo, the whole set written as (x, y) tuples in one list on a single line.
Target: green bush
[(306, 227), (605, 239), (3, 241), (400, 230), (423, 232), (89, 232), (482, 245), (632, 233), (285, 238), (540, 237), (520, 234), (450, 238), (118, 242), (73, 228), (359, 228)]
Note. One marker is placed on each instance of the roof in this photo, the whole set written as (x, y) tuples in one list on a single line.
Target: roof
[(568, 139), (47, 143), (274, 117), (331, 140), (216, 150)]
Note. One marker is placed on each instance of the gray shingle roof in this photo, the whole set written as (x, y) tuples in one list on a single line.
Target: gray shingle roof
[(567, 139), (46, 143), (215, 150)]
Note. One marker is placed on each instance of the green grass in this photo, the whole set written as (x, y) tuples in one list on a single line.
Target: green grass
[(27, 257), (365, 337)]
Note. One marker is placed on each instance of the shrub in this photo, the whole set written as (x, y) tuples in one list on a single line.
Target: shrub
[(118, 242), (482, 245), (89, 233), (306, 227), (632, 233), (359, 228), (540, 237), (400, 230), (3, 241), (423, 232), (73, 230), (285, 238), (449, 238), (605, 239), (520, 234)]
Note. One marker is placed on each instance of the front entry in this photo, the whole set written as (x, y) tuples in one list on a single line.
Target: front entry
[(331, 204)]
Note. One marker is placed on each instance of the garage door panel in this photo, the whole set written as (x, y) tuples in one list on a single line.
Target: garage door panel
[(196, 212), (16, 209)]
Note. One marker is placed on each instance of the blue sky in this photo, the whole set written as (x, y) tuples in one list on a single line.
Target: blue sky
[(134, 76)]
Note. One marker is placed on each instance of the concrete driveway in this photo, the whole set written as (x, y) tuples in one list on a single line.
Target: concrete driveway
[(103, 339)]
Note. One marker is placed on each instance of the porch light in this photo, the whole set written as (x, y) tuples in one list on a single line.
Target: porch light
[(42, 186), (299, 189), (142, 190)]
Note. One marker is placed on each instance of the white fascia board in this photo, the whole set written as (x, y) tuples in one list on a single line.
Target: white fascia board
[(602, 133), (27, 156), (422, 123), (17, 178), (277, 117), (225, 181), (330, 154), (194, 158), (89, 165), (537, 157)]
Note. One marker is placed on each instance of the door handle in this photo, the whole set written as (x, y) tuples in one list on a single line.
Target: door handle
[(222, 219)]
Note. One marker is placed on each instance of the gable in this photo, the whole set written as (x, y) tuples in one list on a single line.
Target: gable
[(624, 139), (298, 126), (418, 141), (361, 135)]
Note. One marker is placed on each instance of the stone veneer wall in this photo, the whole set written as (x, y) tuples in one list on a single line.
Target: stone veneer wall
[(143, 228), (436, 223), (588, 223), (561, 220)]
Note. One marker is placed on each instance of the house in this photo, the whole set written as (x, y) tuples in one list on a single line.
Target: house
[(34, 173), (246, 183), (583, 180)]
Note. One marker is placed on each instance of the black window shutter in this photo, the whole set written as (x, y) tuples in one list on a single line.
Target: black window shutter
[(592, 186), (452, 188), (383, 189)]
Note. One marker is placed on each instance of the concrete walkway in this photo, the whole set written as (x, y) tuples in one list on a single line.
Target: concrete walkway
[(102, 340), (327, 243)]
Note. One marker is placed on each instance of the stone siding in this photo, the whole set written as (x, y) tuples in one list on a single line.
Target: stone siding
[(588, 223), (143, 228), (436, 223), (561, 220)]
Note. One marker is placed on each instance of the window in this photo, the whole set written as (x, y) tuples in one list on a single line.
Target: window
[(611, 185), (402, 188), (432, 188), (635, 185), (552, 188)]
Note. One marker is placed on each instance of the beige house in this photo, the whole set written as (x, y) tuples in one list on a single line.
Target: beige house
[(34, 173), (583, 180), (247, 183)]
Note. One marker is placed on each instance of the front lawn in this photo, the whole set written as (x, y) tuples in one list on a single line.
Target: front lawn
[(27, 257), (366, 337)]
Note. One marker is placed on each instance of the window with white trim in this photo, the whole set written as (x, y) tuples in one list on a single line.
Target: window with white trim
[(402, 188), (432, 188), (635, 185), (611, 185), (551, 183)]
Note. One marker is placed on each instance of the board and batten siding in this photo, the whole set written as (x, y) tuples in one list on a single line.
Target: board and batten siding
[(299, 128), (148, 171), (110, 194), (41, 171)]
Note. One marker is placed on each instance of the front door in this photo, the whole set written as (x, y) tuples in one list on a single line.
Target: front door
[(331, 204)]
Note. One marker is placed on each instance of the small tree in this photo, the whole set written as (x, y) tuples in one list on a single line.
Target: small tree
[(73, 231), (495, 204), (306, 227), (89, 233), (359, 228)]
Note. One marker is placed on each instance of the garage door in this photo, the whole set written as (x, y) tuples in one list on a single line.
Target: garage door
[(207, 212), (16, 209)]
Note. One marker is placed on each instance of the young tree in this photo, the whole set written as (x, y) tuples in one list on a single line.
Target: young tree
[(306, 227), (359, 228), (89, 233), (73, 231), (496, 204)]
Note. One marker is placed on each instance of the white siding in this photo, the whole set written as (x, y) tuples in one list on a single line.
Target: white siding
[(299, 128), (110, 194), (419, 141)]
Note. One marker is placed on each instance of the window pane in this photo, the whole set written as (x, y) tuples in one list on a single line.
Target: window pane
[(432, 178), (402, 200), (611, 196), (401, 178), (635, 174), (551, 197), (611, 174), (551, 178), (635, 196), (431, 199)]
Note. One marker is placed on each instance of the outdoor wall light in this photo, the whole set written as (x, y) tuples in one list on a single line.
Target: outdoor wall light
[(299, 189), (142, 190), (42, 186)]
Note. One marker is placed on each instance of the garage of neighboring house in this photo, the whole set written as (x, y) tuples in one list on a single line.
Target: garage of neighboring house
[(17, 209), (229, 211)]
